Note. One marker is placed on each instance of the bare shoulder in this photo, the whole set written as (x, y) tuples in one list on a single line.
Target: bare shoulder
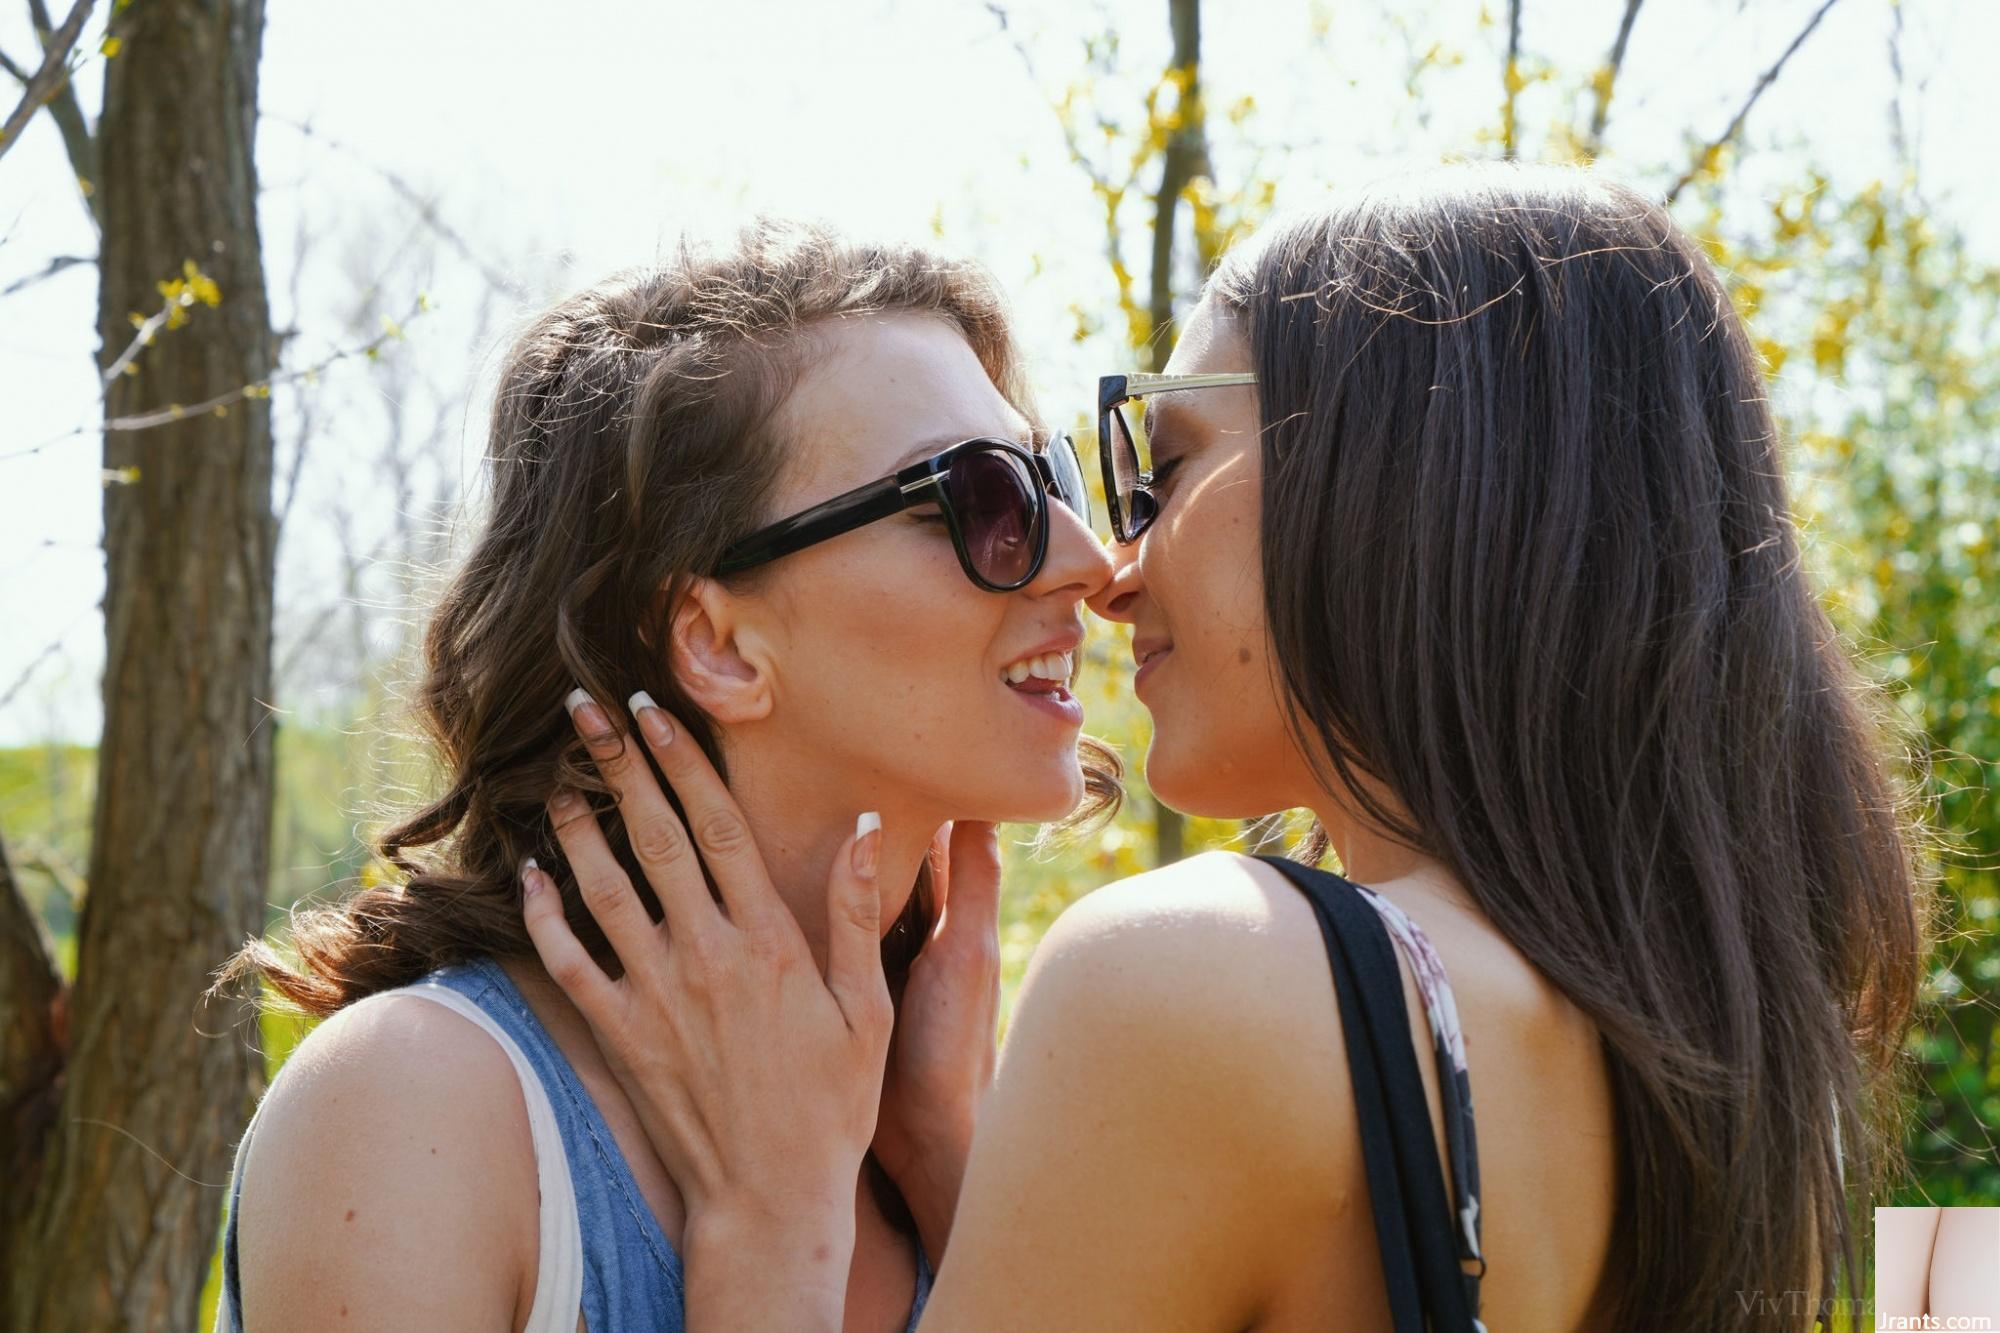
[(1215, 966), (391, 1179), (1155, 1149), (1216, 934)]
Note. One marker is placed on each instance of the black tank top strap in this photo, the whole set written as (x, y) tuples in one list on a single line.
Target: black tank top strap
[(1414, 1227)]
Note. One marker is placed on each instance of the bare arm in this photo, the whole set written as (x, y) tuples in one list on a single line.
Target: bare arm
[(1903, 1241), (391, 1182)]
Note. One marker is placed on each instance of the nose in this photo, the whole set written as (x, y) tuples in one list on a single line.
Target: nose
[(1076, 567), (1118, 597)]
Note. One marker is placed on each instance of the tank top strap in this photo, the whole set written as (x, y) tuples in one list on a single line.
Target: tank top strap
[(1422, 1247), (631, 1273), (559, 1267), (603, 1256)]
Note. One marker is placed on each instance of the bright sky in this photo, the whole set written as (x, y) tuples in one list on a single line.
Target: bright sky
[(566, 141)]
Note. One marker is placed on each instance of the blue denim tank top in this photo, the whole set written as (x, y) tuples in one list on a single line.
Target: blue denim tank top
[(631, 1274)]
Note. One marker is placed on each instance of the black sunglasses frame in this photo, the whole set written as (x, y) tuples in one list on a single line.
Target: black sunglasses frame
[(920, 483), (1131, 514)]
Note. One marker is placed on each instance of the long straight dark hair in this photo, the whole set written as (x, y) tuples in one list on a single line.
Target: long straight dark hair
[(1529, 564)]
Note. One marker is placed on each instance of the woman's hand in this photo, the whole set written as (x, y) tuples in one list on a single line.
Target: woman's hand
[(757, 1080), (941, 1059)]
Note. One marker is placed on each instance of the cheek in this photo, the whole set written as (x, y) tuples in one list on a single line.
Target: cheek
[(888, 637)]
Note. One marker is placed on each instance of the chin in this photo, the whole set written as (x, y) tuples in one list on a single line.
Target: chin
[(1042, 798), (1182, 782)]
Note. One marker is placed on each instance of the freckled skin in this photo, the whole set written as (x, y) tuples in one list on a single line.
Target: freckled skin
[(1220, 745)]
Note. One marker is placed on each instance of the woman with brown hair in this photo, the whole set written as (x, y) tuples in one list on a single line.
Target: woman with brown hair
[(450, 1149), (1458, 520)]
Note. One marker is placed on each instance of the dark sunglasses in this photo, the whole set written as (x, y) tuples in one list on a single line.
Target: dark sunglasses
[(994, 495), (1122, 445)]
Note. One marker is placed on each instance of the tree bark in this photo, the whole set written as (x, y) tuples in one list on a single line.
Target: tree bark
[(31, 998), (1186, 157), (159, 1078)]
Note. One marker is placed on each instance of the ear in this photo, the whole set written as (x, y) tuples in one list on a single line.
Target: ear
[(719, 661)]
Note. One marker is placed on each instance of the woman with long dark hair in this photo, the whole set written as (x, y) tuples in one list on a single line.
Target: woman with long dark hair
[(1459, 520)]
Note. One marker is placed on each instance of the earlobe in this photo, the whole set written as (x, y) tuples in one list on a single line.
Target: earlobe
[(717, 659)]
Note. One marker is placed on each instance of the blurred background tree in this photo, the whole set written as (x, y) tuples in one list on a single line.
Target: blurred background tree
[(1126, 145)]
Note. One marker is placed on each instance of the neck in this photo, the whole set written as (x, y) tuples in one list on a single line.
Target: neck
[(1370, 856), (801, 821)]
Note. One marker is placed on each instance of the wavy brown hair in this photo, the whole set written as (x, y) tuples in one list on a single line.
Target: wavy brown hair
[(631, 442), (1529, 563)]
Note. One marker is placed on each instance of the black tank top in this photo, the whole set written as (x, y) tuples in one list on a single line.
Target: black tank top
[(1424, 1247)]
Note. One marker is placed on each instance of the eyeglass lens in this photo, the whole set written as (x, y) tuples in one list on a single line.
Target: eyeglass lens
[(999, 519)]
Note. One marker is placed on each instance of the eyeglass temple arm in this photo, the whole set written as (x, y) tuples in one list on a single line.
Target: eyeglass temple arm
[(1146, 383), (863, 505)]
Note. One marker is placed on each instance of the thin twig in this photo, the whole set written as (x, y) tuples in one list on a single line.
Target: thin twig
[(1602, 111), (1512, 75), (78, 140), (49, 80), (426, 208), (1728, 136), (54, 647), (142, 338), (49, 270), (182, 411)]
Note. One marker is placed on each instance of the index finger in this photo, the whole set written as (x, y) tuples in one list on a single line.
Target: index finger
[(720, 830), (658, 841)]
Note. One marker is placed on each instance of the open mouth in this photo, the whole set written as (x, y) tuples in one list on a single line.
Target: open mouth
[(1042, 682), (1044, 673)]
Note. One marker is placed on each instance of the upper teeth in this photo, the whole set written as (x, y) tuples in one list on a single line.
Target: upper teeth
[(1048, 666)]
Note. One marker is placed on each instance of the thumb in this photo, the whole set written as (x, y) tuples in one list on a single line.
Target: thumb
[(854, 922)]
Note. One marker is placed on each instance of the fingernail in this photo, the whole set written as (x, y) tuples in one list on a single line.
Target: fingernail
[(566, 802), (867, 844), (590, 719), (530, 883), (653, 719)]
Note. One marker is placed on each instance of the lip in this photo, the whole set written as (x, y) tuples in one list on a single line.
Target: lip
[(1058, 704), (1149, 656)]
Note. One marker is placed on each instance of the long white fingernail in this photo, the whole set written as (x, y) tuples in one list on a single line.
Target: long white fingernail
[(652, 718), (867, 844), (578, 697)]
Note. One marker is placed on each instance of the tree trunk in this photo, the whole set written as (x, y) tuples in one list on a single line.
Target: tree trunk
[(31, 998), (123, 1217), (1186, 157)]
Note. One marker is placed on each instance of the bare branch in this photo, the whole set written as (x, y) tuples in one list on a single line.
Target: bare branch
[(78, 141), (426, 208), (223, 401), (1770, 77), (54, 646), (1186, 157), (1601, 112), (50, 79), (1070, 141), (1509, 138), (49, 270)]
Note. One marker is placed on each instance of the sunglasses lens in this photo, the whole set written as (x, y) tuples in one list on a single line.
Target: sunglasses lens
[(1071, 488), (999, 517), (1131, 459)]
